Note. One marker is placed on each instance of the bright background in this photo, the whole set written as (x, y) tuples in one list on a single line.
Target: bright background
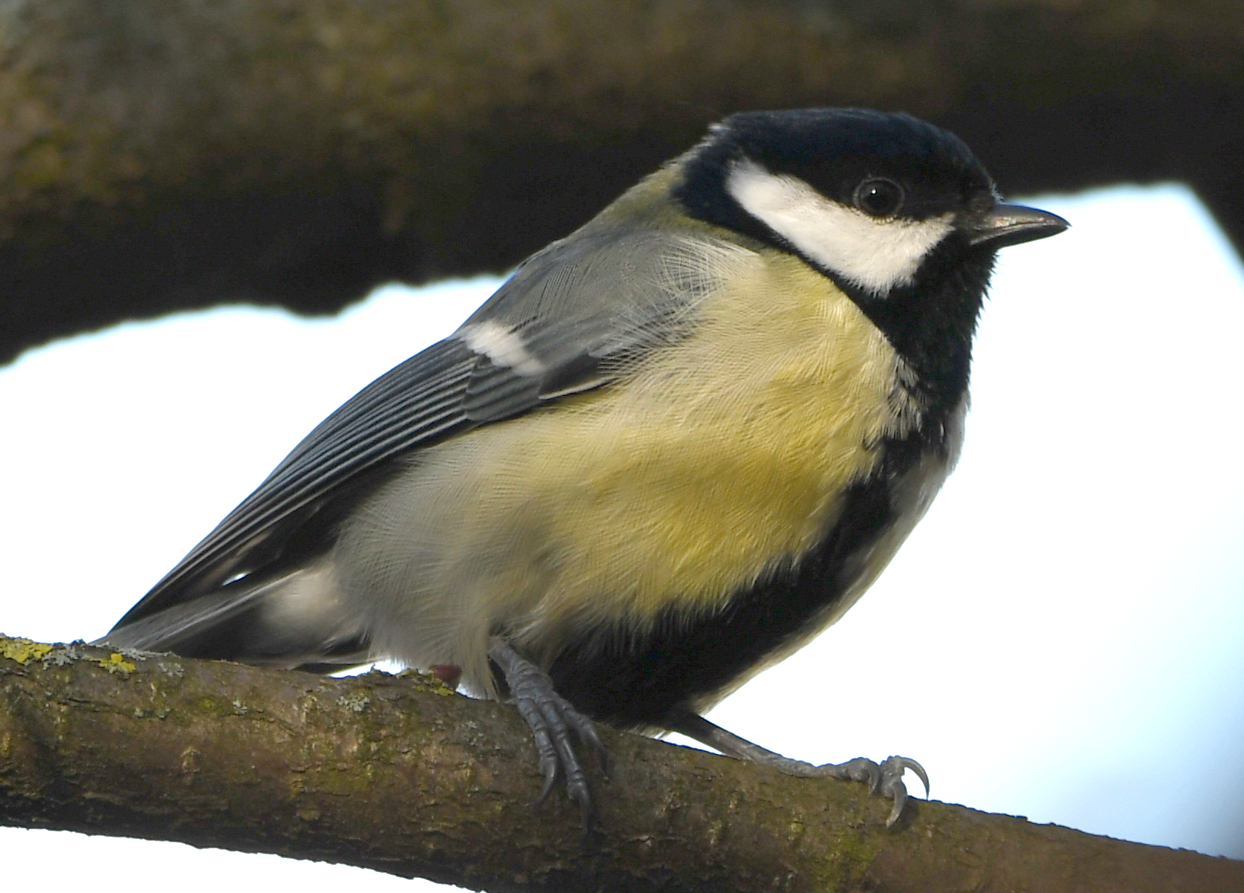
[(1062, 638)]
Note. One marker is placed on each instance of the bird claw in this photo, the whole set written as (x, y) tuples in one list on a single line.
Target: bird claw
[(884, 780), (860, 769), (554, 723)]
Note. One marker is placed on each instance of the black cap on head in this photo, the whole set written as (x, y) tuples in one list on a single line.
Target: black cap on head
[(834, 150)]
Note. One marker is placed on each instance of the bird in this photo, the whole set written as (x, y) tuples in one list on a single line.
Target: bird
[(672, 448)]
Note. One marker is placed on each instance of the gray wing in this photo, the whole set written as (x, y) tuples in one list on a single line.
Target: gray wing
[(573, 317)]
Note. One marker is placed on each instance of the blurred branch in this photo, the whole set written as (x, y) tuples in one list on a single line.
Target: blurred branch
[(401, 775), (168, 154)]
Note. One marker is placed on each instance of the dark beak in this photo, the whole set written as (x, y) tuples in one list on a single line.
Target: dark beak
[(1004, 225)]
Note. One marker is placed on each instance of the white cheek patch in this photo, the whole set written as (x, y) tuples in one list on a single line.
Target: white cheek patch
[(873, 254), (502, 346)]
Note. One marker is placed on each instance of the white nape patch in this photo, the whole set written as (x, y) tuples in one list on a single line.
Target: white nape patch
[(873, 254), (502, 346)]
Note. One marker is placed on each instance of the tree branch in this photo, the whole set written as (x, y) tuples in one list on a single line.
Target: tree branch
[(401, 775), (168, 154)]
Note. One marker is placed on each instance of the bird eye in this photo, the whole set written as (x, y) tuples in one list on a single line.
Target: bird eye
[(878, 198)]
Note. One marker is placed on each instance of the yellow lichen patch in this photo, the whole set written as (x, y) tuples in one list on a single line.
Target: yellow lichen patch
[(23, 650), (116, 663)]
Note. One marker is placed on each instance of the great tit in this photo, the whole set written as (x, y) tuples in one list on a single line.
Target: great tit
[(672, 448)]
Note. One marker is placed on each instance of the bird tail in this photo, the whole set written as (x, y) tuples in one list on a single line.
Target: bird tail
[(292, 621)]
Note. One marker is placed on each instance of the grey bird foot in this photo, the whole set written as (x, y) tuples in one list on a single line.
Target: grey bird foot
[(884, 780), (554, 723)]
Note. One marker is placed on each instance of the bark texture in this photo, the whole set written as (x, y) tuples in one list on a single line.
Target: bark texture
[(402, 775)]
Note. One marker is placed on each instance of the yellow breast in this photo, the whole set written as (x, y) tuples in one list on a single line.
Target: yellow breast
[(718, 457)]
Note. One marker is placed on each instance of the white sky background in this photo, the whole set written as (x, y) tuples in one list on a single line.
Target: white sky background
[(1062, 637)]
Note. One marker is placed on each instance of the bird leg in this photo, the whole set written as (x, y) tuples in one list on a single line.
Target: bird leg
[(552, 720), (884, 780)]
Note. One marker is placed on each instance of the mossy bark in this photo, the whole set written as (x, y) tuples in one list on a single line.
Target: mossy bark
[(399, 774)]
